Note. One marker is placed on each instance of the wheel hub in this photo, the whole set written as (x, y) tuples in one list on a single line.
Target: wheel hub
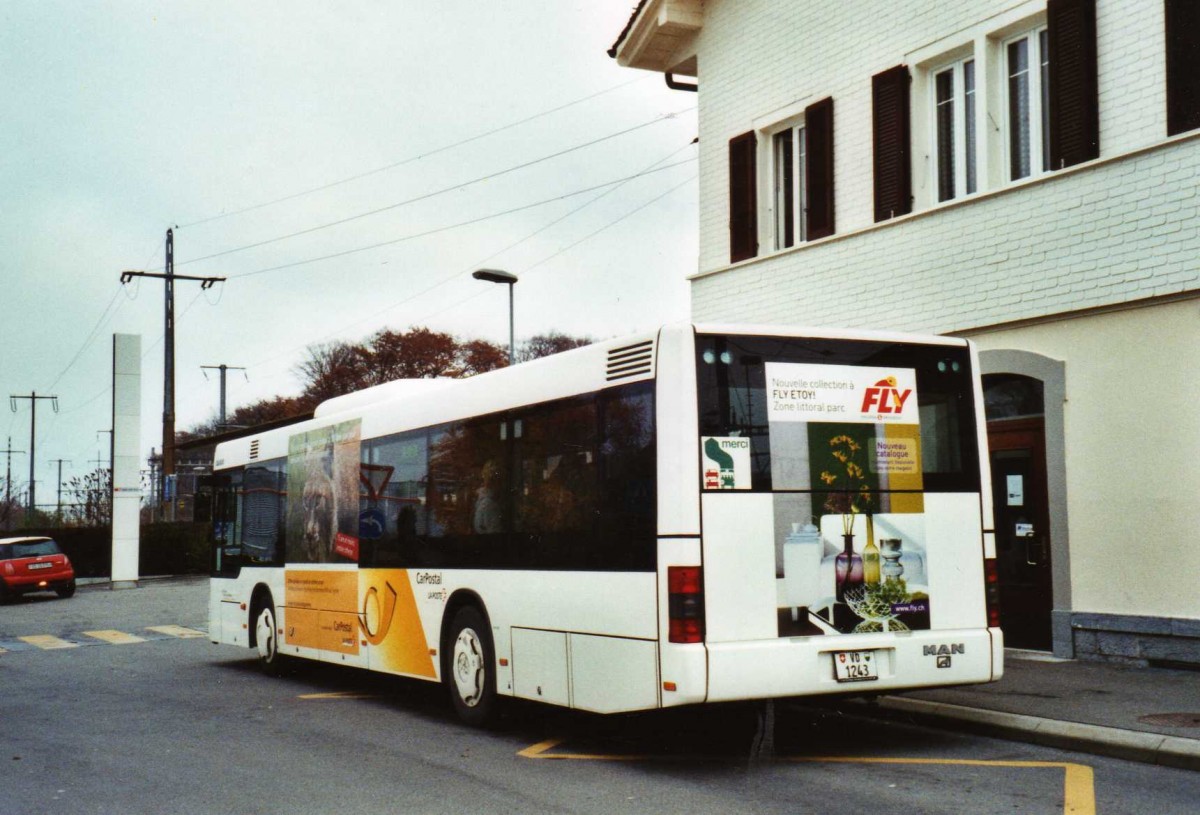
[(469, 670), (266, 635)]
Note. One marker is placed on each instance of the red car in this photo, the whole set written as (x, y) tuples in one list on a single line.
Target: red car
[(34, 564)]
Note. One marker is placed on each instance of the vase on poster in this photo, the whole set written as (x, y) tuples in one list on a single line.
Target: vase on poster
[(847, 568), (870, 556), (802, 552), (889, 552), (913, 563)]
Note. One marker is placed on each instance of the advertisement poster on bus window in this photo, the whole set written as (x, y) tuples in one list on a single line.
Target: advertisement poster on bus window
[(323, 478), (850, 551)]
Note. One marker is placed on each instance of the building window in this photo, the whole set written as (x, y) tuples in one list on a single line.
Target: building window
[(954, 130), (798, 204), (1005, 101), (789, 162), (1027, 68), (1183, 65)]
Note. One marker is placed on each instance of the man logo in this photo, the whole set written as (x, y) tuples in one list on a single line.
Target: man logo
[(944, 650)]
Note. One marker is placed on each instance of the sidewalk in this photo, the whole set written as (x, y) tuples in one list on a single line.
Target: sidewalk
[(1138, 714)]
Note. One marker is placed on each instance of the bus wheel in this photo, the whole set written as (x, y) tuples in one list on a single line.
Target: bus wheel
[(269, 658), (470, 673)]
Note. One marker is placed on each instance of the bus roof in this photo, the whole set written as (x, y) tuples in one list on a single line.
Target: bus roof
[(412, 403)]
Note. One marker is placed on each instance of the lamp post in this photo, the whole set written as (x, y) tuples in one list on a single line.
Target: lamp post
[(497, 276)]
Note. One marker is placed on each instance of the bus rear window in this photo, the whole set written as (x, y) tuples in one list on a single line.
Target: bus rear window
[(790, 414)]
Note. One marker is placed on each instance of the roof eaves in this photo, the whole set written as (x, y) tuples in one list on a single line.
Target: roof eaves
[(612, 52)]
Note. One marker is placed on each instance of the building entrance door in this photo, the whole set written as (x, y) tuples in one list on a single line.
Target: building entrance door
[(1022, 516)]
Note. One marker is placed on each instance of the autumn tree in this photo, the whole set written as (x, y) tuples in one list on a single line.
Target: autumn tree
[(264, 411), (416, 354), (334, 368), (481, 356), (543, 345)]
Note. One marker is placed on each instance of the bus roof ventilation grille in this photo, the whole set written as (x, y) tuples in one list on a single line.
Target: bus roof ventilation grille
[(254, 450), (630, 361)]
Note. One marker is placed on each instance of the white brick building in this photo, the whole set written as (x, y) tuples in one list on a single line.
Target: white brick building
[(1022, 173)]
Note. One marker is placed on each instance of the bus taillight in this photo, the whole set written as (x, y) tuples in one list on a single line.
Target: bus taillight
[(685, 600), (991, 576)]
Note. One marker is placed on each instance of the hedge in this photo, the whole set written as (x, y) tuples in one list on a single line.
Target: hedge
[(164, 548)]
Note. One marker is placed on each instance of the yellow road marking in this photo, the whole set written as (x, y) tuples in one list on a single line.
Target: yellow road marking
[(48, 643), (176, 631), (1079, 792), (114, 637), (345, 694)]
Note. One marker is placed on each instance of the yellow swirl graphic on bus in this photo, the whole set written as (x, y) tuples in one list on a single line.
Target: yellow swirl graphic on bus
[(391, 623)]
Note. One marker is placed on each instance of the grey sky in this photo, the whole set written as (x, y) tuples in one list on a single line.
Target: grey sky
[(122, 119)]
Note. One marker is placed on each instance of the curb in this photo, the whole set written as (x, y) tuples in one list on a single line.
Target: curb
[(1130, 745), (152, 578)]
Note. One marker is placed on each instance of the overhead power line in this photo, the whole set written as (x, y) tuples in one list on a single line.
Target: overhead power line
[(650, 168), (572, 245), (106, 315), (411, 159), (458, 225), (426, 196)]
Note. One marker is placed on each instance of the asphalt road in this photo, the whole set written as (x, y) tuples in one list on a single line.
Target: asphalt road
[(169, 723)]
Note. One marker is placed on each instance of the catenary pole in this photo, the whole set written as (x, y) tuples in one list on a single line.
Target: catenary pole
[(169, 277), (33, 400), (224, 369)]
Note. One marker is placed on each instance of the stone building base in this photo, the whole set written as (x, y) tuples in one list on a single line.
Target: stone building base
[(1142, 641)]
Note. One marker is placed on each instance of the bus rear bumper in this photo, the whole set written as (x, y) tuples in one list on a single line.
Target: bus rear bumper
[(803, 666)]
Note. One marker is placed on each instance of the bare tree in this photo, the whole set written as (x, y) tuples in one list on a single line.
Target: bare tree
[(543, 345), (92, 494)]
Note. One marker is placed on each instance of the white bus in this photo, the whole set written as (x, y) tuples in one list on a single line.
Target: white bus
[(693, 515)]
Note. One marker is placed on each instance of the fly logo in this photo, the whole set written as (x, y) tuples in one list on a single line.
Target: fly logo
[(885, 397)]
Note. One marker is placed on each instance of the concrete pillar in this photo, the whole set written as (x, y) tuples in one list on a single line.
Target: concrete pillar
[(126, 441)]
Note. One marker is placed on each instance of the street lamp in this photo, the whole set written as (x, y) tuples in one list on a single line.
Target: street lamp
[(497, 276)]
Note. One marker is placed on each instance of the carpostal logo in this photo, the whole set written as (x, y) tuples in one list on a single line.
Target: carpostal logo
[(885, 397)]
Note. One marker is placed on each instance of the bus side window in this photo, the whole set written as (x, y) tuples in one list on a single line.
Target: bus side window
[(556, 490), (394, 516), (468, 490), (227, 496), (264, 513), (627, 478)]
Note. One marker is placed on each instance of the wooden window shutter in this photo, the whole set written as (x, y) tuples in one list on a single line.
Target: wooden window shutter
[(1183, 65), (743, 197), (1074, 98), (818, 177), (890, 121)]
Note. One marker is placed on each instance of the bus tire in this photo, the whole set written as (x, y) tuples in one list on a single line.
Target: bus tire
[(267, 639), (470, 667)]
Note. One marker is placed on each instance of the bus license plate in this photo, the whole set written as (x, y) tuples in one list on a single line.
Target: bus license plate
[(855, 666)]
